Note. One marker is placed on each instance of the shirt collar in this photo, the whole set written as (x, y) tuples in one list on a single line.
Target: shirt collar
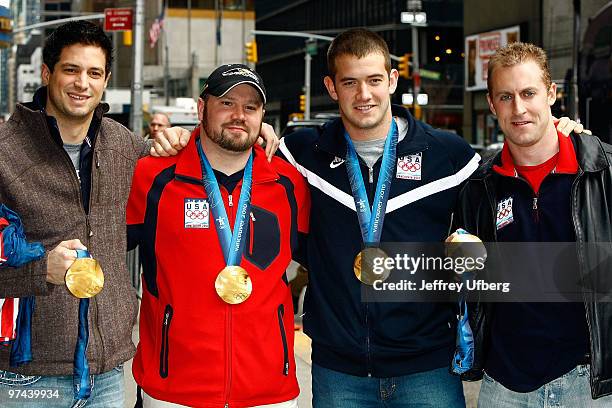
[(566, 163)]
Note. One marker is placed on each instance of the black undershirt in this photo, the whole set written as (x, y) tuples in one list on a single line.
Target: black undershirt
[(229, 182)]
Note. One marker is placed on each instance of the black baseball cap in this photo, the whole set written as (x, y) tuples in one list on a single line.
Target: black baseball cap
[(228, 76)]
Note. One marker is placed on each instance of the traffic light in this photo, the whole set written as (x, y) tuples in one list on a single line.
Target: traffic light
[(250, 49), (302, 103), (404, 66)]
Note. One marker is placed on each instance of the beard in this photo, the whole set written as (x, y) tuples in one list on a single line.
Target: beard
[(223, 137)]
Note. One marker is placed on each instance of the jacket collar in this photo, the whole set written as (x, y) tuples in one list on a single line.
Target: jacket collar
[(30, 111), (590, 153), (332, 141), (566, 160), (188, 162)]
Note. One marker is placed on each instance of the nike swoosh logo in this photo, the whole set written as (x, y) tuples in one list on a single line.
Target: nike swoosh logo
[(335, 164)]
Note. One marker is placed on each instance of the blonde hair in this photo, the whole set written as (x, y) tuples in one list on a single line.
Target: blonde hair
[(517, 53)]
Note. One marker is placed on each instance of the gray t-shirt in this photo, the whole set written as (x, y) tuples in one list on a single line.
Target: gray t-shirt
[(371, 150), (74, 151)]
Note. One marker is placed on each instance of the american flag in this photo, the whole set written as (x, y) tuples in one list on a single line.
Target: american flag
[(157, 27), (9, 309)]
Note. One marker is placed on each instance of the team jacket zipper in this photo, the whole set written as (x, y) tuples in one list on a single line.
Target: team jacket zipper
[(370, 194), (580, 253), (281, 313), (163, 354), (228, 315)]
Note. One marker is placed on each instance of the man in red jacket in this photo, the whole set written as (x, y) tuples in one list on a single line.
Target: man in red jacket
[(217, 227)]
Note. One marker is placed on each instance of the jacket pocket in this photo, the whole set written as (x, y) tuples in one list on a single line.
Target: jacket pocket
[(264, 238), (281, 313), (163, 354)]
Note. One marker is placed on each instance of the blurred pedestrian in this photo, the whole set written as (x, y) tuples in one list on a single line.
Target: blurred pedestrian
[(159, 122)]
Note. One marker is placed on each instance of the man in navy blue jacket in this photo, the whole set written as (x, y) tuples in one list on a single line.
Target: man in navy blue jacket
[(375, 354)]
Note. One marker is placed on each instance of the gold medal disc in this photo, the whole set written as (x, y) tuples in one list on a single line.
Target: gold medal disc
[(366, 271), (84, 278), (466, 246), (233, 285)]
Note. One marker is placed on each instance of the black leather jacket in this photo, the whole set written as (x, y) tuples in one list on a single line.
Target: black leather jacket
[(592, 218)]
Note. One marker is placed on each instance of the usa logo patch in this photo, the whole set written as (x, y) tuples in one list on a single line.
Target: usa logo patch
[(409, 167), (197, 213), (504, 213)]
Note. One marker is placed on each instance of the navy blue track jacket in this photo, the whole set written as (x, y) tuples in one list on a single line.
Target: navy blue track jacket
[(378, 339)]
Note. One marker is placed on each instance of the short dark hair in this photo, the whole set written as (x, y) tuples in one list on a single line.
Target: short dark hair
[(76, 32), (357, 42)]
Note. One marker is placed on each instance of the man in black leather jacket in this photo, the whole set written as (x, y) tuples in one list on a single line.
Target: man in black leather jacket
[(540, 188)]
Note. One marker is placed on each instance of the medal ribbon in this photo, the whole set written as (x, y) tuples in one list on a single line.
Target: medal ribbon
[(81, 378), (232, 243), (463, 359), (371, 228)]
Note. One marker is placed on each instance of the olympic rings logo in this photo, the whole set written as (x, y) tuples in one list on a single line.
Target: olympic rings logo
[(196, 214), (408, 166), (504, 213)]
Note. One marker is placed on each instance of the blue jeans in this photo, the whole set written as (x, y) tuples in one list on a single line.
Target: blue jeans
[(435, 388), (569, 390), (21, 391)]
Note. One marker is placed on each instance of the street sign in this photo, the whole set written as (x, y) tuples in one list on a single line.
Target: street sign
[(425, 73), (117, 19), (311, 47)]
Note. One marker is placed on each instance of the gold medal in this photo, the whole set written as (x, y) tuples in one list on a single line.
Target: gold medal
[(84, 278), (233, 285), (464, 245), (367, 272)]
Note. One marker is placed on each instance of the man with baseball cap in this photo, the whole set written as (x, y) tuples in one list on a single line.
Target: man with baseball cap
[(217, 227)]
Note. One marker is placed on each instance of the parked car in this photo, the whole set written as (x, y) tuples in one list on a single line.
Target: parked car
[(318, 120), (294, 125)]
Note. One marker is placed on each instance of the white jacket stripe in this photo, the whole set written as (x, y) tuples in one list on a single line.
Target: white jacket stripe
[(394, 203), (434, 187), (316, 181)]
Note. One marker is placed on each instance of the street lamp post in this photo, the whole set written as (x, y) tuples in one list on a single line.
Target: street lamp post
[(311, 49), (136, 110), (416, 18)]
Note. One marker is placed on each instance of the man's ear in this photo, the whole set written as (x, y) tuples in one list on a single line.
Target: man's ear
[(107, 78), (45, 73), (331, 88), (201, 105), (393, 77), (491, 107), (552, 94)]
